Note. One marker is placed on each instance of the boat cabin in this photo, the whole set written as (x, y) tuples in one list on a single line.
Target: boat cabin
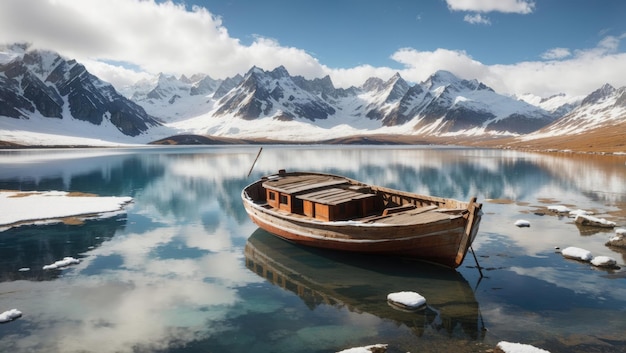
[(325, 198)]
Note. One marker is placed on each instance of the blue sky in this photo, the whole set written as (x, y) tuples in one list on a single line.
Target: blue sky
[(542, 47), (346, 33)]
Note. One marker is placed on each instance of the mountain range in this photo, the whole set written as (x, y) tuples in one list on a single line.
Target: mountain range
[(45, 94)]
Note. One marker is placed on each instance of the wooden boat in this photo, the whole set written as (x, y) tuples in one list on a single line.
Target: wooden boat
[(361, 283), (335, 212)]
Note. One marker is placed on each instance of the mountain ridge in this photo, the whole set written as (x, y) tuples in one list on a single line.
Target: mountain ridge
[(275, 106)]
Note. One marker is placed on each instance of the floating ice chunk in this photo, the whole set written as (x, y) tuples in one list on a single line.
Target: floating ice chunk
[(406, 300), (573, 252), (603, 261), (558, 209), (62, 263), (34, 206), (522, 223), (508, 347), (24, 269), (594, 221), (10, 315), (375, 348), (620, 231)]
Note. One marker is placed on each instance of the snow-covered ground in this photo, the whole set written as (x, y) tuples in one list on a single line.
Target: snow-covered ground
[(22, 207)]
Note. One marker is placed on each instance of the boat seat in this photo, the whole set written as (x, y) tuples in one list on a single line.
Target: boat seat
[(405, 207), (411, 211)]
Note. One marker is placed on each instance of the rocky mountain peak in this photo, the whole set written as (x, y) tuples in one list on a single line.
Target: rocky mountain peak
[(373, 84), (441, 78), (50, 86), (279, 72), (598, 95)]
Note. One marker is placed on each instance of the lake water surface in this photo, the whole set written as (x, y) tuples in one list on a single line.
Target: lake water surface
[(185, 270)]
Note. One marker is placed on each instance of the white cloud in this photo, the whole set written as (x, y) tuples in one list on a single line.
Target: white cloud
[(580, 74), (506, 6), (154, 36), (477, 19), (556, 53), (165, 37)]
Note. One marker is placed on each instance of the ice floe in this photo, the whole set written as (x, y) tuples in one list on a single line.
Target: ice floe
[(575, 253), (579, 212), (522, 223), (509, 347), (20, 207), (375, 348), (603, 261), (10, 315), (559, 209), (62, 263), (406, 300)]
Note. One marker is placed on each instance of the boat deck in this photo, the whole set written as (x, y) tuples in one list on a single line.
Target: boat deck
[(420, 215), (334, 196), (302, 183)]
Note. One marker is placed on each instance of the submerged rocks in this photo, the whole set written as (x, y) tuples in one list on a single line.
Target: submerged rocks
[(619, 240), (586, 220)]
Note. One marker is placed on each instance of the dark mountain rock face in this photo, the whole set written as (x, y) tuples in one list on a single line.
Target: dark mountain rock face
[(45, 83), (441, 104), (275, 93)]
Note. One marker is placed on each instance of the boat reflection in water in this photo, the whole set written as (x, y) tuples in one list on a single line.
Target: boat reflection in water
[(361, 283)]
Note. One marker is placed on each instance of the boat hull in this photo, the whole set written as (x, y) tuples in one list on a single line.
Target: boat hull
[(444, 241)]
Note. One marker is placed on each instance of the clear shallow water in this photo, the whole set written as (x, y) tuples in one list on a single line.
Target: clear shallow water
[(185, 270)]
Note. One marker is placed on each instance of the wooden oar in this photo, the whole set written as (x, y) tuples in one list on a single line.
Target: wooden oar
[(253, 163)]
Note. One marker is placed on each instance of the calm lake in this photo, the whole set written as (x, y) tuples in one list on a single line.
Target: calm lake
[(185, 270)]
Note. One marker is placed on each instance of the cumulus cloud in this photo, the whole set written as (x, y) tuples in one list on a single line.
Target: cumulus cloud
[(154, 36), (506, 6), (579, 74), (122, 41)]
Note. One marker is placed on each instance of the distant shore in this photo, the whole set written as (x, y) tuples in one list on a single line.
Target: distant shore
[(611, 141)]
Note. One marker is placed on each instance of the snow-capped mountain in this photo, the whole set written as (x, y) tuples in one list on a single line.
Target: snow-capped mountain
[(603, 108), (61, 98), (447, 105), (558, 104), (171, 99), (442, 105), (272, 94), (43, 86)]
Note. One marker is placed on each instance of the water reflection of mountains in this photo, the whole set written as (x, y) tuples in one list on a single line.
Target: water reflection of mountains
[(361, 284)]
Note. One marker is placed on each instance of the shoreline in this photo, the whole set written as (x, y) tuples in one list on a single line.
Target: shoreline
[(588, 144)]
